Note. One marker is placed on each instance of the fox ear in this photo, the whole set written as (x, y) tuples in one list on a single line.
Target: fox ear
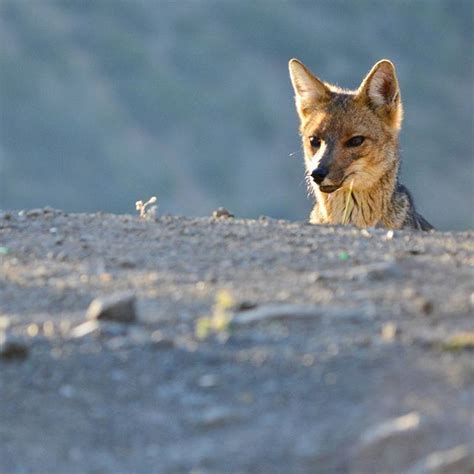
[(309, 90), (380, 89)]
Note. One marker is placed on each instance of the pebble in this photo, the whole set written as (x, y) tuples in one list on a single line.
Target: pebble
[(389, 331), (222, 212), (376, 271), (390, 443), (119, 307), (389, 428), (208, 381), (12, 347), (288, 312), (455, 460), (84, 329), (4, 322), (158, 341), (216, 416), (423, 305)]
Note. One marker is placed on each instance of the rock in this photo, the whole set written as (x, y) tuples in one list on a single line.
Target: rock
[(389, 331), (158, 341), (377, 271), (12, 347), (208, 381), (245, 305), (423, 305), (67, 391), (4, 322), (119, 307), (395, 442), (274, 312), (371, 272), (84, 329), (222, 212), (391, 427), (216, 417), (457, 460)]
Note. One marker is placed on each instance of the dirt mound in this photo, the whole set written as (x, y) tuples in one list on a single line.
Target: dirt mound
[(254, 346)]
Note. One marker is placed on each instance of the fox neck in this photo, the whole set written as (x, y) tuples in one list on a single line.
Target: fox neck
[(363, 208)]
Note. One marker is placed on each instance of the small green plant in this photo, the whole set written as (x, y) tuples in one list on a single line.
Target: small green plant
[(218, 323), (460, 341), (349, 205), (148, 209)]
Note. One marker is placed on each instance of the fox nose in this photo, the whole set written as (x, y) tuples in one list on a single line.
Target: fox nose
[(319, 174)]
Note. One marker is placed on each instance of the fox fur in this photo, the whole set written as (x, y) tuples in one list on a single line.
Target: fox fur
[(350, 142)]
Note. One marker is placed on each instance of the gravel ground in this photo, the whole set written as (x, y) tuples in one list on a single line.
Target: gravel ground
[(259, 346)]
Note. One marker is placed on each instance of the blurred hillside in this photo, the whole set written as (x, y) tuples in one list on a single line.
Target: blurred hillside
[(106, 102)]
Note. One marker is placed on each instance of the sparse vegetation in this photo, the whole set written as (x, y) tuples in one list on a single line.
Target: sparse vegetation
[(218, 323), (148, 209), (349, 205), (460, 341)]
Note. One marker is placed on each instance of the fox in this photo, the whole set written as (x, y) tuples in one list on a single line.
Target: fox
[(351, 149)]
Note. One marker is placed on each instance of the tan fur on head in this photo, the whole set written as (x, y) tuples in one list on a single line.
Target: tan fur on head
[(363, 171), (309, 90), (380, 89)]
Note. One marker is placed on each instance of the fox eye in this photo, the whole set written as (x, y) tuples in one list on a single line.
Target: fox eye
[(315, 142), (355, 141)]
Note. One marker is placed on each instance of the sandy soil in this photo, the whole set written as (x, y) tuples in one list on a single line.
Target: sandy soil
[(340, 350)]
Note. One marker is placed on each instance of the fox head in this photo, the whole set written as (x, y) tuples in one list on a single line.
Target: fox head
[(350, 138)]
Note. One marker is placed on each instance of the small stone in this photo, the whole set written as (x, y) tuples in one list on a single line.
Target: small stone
[(32, 330), (222, 212), (84, 329), (4, 322), (216, 416), (390, 443), (389, 235), (158, 341), (389, 331), (423, 305), (12, 347), (53, 230), (120, 307), (245, 305), (375, 271), (391, 427), (125, 263), (48, 328), (455, 460), (67, 391), (208, 381)]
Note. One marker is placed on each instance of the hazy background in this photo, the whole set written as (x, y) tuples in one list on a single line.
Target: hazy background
[(107, 102)]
